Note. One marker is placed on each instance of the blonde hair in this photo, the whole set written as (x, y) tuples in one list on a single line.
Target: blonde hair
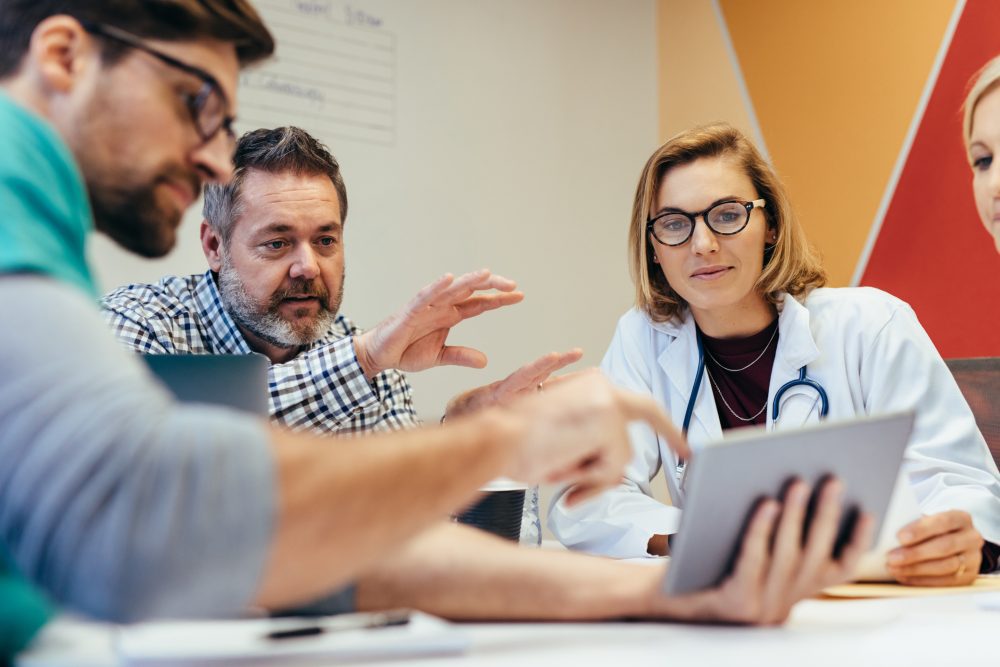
[(983, 81), (793, 265)]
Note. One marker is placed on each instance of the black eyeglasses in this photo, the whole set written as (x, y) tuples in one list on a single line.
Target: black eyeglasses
[(674, 227), (208, 107)]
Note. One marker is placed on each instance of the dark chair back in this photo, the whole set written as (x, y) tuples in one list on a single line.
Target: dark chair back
[(979, 380)]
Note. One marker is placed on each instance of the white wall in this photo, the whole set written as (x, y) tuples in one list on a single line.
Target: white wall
[(510, 135)]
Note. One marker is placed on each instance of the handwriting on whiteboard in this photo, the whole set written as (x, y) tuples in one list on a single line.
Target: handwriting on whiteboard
[(333, 73)]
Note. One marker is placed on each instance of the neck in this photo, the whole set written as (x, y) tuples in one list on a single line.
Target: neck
[(739, 321), (277, 354)]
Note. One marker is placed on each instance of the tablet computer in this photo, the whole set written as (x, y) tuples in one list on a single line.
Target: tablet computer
[(232, 380), (727, 479)]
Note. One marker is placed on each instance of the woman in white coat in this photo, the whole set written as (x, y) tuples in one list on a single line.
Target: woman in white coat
[(716, 254)]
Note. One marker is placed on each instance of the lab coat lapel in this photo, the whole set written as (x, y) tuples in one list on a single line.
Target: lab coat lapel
[(796, 348), (679, 363)]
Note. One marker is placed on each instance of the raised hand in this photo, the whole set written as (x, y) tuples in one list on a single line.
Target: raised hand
[(414, 338)]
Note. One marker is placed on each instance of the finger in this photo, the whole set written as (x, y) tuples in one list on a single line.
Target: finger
[(530, 375), (787, 548), (639, 407), (429, 293), (476, 305), (927, 581), (861, 541), (754, 559), (466, 285), (939, 567), (932, 525), (592, 479), (823, 529), (457, 355), (560, 361), (934, 548)]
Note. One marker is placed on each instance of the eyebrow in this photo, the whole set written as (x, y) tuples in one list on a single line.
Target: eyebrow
[(674, 209), (283, 228)]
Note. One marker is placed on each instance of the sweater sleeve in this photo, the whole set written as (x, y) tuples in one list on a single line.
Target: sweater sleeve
[(118, 501)]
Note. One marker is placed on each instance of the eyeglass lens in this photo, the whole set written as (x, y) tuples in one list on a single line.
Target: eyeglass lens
[(723, 218)]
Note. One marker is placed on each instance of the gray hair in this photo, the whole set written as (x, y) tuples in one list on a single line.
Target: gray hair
[(277, 151)]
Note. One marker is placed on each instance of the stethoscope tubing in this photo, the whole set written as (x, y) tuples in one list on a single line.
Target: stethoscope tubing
[(803, 380)]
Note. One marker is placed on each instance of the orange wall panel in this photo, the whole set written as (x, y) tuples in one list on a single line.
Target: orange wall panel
[(834, 84)]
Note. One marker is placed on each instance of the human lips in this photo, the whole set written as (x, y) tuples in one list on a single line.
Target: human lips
[(182, 192), (712, 272)]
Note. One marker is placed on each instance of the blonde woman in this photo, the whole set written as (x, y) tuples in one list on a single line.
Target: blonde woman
[(726, 282), (981, 132)]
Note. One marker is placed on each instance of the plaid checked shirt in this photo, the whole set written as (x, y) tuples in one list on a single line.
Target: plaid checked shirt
[(322, 390)]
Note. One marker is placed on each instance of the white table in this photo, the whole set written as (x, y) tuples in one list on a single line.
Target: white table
[(843, 633)]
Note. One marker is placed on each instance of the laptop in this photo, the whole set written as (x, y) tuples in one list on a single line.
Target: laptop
[(727, 479), (232, 380)]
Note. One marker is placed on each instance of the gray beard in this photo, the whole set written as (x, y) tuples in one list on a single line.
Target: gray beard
[(265, 322)]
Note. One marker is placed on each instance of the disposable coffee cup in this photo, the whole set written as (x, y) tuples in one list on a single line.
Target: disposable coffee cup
[(500, 509)]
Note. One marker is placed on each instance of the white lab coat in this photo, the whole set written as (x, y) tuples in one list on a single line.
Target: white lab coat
[(871, 355)]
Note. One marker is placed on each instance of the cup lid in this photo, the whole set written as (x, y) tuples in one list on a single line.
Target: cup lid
[(503, 484)]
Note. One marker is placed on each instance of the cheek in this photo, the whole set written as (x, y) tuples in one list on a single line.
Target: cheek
[(980, 191)]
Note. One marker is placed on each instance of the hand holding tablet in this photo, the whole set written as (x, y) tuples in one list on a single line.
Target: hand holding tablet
[(733, 484)]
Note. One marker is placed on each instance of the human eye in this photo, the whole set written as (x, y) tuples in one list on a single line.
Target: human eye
[(274, 245), (982, 163), (674, 224), (327, 241)]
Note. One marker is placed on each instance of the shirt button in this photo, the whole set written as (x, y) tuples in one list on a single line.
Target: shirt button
[(357, 410)]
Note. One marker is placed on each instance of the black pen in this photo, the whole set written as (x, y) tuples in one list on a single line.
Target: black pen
[(311, 627)]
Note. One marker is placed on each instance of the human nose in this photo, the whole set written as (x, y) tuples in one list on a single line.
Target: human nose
[(995, 178), (304, 264), (214, 159), (703, 239)]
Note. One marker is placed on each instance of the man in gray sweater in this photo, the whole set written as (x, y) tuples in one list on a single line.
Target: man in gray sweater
[(123, 504)]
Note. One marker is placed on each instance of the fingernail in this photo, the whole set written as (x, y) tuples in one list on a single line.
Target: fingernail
[(895, 557), (905, 536)]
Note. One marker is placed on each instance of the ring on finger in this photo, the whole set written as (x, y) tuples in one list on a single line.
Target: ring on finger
[(539, 386), (961, 566)]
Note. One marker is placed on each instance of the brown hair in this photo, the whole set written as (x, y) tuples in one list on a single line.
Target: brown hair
[(277, 151), (983, 81), (234, 21), (792, 265)]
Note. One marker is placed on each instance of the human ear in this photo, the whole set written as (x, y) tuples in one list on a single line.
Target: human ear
[(59, 52), (211, 245)]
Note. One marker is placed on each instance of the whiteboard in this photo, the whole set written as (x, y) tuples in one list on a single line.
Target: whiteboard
[(503, 134)]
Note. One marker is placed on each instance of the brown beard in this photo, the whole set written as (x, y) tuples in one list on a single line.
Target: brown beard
[(134, 218)]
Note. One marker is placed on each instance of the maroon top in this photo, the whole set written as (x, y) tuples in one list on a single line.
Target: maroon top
[(739, 371)]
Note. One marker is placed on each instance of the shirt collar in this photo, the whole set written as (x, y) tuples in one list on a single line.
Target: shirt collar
[(223, 334)]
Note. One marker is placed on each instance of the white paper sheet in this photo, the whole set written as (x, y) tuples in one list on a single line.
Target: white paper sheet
[(903, 509)]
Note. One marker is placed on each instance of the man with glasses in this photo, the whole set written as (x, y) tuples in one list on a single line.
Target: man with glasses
[(123, 504)]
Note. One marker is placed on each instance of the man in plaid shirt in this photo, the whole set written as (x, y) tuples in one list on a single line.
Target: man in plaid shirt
[(273, 238)]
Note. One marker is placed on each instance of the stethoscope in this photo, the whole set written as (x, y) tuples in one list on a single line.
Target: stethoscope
[(803, 380)]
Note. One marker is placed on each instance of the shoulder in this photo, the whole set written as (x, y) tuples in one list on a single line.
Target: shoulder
[(845, 303), (169, 298), (634, 321)]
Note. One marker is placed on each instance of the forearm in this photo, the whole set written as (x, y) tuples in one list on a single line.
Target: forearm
[(464, 574), (343, 503)]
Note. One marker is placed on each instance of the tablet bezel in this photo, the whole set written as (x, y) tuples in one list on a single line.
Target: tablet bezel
[(710, 532)]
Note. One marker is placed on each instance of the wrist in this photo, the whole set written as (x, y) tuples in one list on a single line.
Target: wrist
[(365, 361)]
